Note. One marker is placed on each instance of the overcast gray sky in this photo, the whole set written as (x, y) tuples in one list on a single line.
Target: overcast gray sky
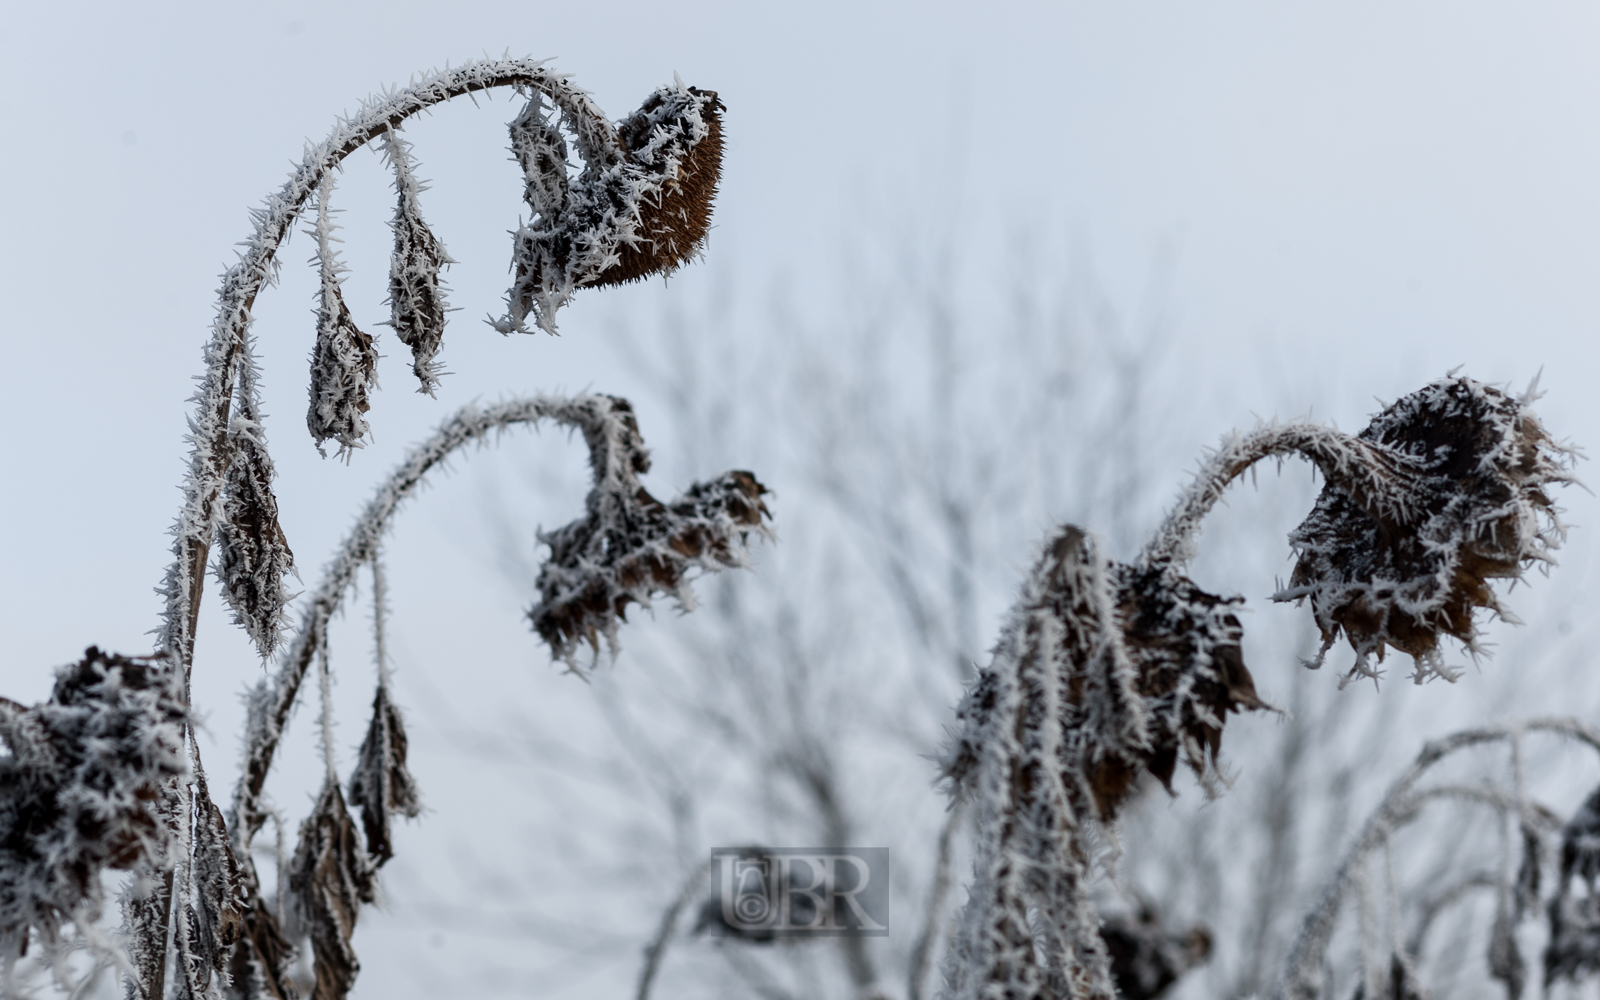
[(1358, 195)]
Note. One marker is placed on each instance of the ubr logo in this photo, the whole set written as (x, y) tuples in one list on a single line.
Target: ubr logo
[(764, 892)]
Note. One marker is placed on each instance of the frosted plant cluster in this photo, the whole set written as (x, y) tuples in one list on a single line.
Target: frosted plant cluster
[(1105, 670), (628, 547), (80, 789), (196, 912), (641, 206)]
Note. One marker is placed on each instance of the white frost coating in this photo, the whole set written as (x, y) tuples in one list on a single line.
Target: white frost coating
[(344, 362), (416, 295), (1103, 671)]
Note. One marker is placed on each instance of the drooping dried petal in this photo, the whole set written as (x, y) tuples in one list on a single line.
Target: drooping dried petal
[(416, 295), (1464, 475), (344, 361), (253, 557), (629, 547), (330, 879), (259, 968), (542, 150), (381, 784), (1185, 647), (641, 206), (80, 788)]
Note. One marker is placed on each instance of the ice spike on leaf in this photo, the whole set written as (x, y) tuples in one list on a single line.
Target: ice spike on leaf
[(416, 295), (1460, 497), (330, 879), (381, 784), (344, 361), (641, 206), (253, 556)]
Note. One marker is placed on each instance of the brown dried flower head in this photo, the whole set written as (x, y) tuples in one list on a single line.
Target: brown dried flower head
[(630, 547), (1459, 499), (641, 206)]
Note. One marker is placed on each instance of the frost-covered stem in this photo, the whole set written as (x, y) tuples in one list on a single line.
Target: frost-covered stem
[(325, 722), (1303, 967), (656, 951), (208, 461), (932, 918), (274, 699), (1367, 472), (380, 614)]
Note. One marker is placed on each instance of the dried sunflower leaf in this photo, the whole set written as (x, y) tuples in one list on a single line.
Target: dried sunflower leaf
[(416, 295), (381, 785), (330, 878), (344, 361), (253, 557)]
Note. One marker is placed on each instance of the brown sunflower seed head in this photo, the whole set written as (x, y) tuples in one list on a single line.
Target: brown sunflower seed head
[(1467, 469), (676, 140), (641, 206)]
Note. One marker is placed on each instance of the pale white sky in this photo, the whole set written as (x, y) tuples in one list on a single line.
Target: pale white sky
[(1356, 197)]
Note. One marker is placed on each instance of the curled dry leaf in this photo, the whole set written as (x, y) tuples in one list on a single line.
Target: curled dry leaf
[(641, 206), (330, 878), (1455, 497), (1185, 647), (1574, 949), (416, 295), (214, 925), (630, 547), (81, 786), (253, 557), (344, 361), (381, 785), (259, 968)]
